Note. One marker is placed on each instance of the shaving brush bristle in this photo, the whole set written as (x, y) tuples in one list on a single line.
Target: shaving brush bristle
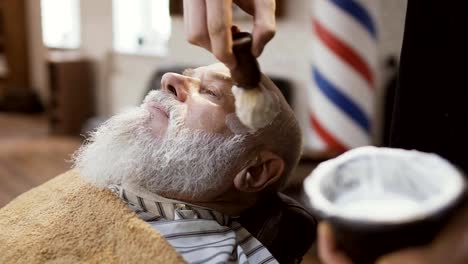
[(255, 108)]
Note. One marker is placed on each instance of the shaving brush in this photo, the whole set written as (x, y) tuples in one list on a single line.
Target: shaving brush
[(256, 106)]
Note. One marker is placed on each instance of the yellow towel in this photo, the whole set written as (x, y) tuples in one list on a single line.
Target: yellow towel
[(66, 220)]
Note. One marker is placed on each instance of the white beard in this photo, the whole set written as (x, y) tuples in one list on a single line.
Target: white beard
[(185, 162)]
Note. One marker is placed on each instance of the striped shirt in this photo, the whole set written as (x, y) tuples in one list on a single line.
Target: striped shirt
[(199, 234)]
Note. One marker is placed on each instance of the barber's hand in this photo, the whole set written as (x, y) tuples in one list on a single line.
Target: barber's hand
[(327, 249), (450, 246), (208, 24)]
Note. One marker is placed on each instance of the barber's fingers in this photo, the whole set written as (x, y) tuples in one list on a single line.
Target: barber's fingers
[(196, 29), (246, 5), (208, 25), (327, 248), (264, 28), (219, 21)]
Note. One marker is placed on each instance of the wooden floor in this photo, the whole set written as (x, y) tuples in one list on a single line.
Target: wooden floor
[(28, 155)]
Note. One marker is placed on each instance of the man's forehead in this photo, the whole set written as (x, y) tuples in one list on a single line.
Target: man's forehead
[(217, 69)]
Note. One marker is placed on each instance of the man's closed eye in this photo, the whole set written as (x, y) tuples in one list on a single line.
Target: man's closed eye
[(210, 92)]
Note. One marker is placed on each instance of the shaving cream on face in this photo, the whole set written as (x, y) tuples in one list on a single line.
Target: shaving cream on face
[(235, 125), (255, 108)]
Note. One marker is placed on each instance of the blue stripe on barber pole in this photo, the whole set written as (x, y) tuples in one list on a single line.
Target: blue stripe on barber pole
[(342, 101), (359, 13)]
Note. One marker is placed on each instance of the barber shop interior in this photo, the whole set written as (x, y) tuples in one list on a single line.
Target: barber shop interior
[(234, 131)]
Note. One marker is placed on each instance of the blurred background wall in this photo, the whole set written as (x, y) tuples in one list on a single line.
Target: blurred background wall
[(122, 77)]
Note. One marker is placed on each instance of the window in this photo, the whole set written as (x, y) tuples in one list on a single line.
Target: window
[(141, 26), (61, 23)]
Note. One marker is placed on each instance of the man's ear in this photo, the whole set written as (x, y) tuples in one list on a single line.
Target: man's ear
[(266, 170)]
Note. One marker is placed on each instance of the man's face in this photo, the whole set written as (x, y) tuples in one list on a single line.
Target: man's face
[(178, 143), (203, 96)]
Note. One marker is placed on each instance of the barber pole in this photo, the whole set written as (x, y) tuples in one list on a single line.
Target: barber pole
[(344, 52)]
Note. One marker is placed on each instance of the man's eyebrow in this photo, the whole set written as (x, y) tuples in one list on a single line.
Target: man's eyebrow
[(220, 76)]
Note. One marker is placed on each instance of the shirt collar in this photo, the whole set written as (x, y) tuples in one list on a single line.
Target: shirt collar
[(153, 207)]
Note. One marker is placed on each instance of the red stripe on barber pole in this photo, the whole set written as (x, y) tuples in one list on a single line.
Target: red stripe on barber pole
[(342, 50), (329, 139)]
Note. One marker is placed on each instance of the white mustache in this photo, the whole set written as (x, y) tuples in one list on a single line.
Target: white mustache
[(167, 101)]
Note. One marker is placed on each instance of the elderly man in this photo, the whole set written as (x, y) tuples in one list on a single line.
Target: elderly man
[(185, 164)]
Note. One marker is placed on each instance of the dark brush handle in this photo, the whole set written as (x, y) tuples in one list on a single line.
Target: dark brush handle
[(246, 74)]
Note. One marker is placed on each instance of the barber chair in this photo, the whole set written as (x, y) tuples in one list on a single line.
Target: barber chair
[(280, 223)]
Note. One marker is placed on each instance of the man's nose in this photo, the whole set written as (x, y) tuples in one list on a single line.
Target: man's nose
[(176, 84)]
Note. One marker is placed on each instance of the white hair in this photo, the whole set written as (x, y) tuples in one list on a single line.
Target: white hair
[(183, 161)]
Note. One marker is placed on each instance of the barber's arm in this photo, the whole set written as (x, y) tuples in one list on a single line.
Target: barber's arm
[(450, 246), (208, 24)]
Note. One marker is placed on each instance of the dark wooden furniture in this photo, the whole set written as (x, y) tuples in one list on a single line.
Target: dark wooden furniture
[(13, 46), (16, 93), (72, 92)]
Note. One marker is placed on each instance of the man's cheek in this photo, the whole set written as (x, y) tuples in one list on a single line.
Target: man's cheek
[(206, 116)]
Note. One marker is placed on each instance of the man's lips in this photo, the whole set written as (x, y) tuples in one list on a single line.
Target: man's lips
[(155, 107)]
